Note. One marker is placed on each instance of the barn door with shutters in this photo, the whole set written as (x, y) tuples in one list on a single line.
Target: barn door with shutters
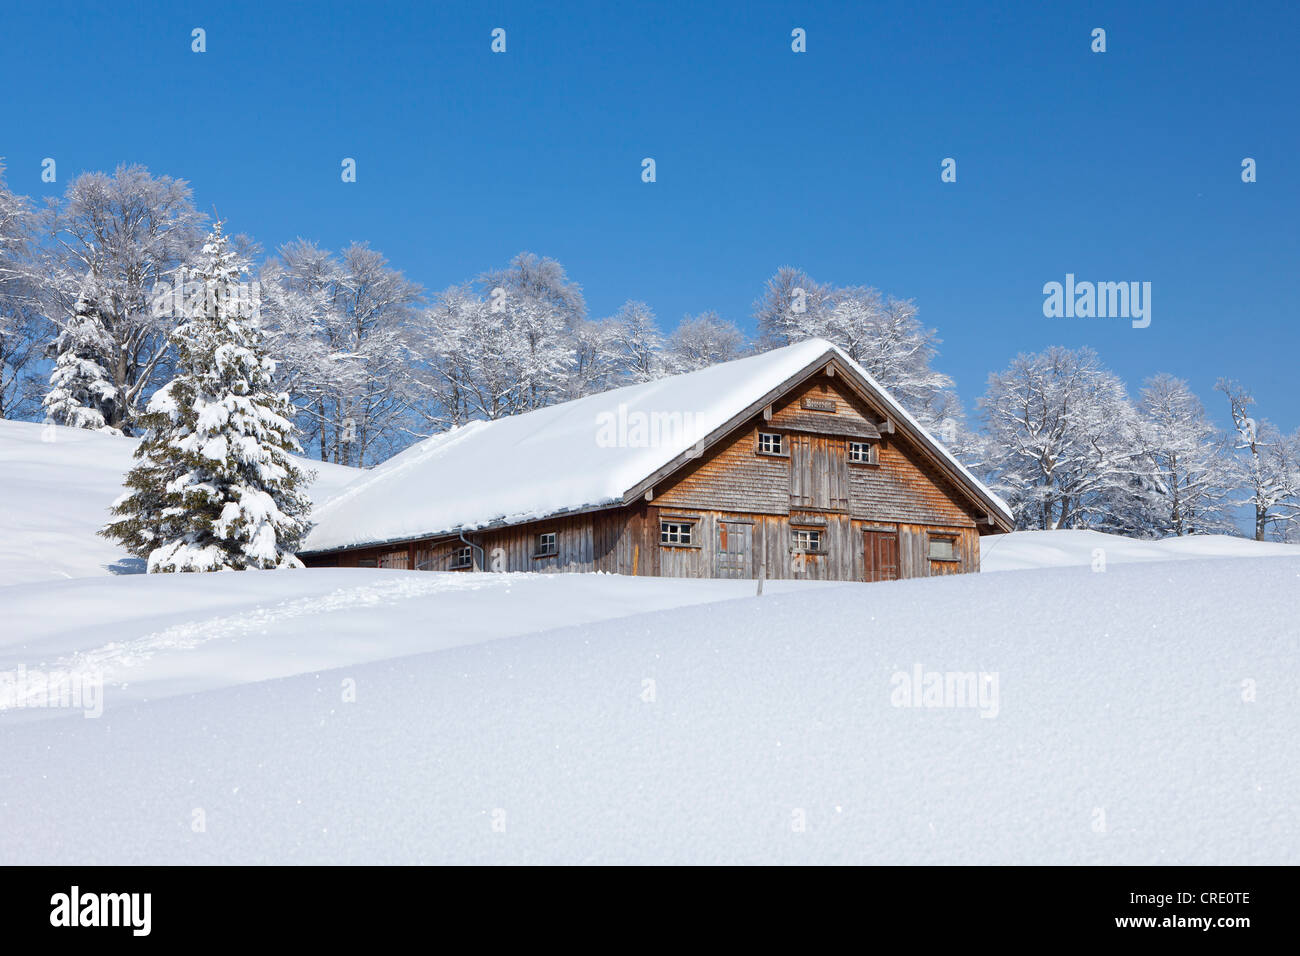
[(881, 556), (734, 555), (801, 471), (819, 473), (837, 474)]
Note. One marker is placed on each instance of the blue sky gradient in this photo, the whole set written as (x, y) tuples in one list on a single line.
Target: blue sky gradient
[(1117, 166)]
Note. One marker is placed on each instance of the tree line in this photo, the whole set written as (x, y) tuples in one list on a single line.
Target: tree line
[(370, 361)]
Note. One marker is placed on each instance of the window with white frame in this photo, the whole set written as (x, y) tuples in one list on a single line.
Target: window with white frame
[(462, 558), (676, 532), (547, 544), (943, 547), (862, 452), (806, 540), (769, 443)]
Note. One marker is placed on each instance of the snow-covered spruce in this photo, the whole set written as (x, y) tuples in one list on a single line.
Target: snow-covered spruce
[(82, 394), (215, 488)]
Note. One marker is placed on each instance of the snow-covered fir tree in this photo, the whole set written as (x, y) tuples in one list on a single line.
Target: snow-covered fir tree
[(82, 394), (215, 487)]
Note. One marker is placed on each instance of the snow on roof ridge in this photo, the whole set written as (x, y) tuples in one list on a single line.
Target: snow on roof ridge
[(550, 460)]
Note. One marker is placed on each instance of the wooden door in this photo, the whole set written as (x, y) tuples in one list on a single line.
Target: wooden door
[(734, 555), (880, 557)]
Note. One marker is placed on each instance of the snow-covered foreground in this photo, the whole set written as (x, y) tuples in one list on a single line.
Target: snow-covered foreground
[(1054, 549), (1142, 715), (56, 485), (158, 635)]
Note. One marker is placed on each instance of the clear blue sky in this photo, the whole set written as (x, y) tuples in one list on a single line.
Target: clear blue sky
[(1115, 166)]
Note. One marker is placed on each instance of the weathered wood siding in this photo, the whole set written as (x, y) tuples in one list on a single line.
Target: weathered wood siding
[(744, 508), (733, 476), (902, 488)]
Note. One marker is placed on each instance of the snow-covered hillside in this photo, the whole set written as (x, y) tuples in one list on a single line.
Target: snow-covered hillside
[(1145, 714), (1056, 549), (151, 636), (1141, 714), (56, 485)]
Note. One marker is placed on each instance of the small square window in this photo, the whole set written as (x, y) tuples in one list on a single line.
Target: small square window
[(675, 532), (806, 541), (769, 443), (461, 559), (546, 544), (862, 452), (943, 548)]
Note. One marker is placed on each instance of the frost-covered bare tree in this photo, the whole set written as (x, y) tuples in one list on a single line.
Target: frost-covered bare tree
[(515, 339), (444, 372), (111, 243), (882, 334), (637, 344), (541, 280), (886, 338), (704, 340), (343, 326), (1268, 465), (539, 308), (1064, 443), (1285, 456), (595, 362), (472, 361), (21, 326), (793, 307), (1192, 475)]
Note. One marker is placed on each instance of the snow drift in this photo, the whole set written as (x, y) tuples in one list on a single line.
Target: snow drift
[(748, 730), (1140, 714)]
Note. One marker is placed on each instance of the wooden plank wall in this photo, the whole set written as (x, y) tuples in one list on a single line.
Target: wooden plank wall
[(812, 485), (626, 541), (732, 477)]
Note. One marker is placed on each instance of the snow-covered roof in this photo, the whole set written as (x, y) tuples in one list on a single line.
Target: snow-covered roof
[(582, 454)]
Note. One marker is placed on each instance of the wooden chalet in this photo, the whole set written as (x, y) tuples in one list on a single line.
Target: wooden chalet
[(793, 463)]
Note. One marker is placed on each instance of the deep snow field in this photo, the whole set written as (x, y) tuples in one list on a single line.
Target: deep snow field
[(1146, 713), (56, 485)]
